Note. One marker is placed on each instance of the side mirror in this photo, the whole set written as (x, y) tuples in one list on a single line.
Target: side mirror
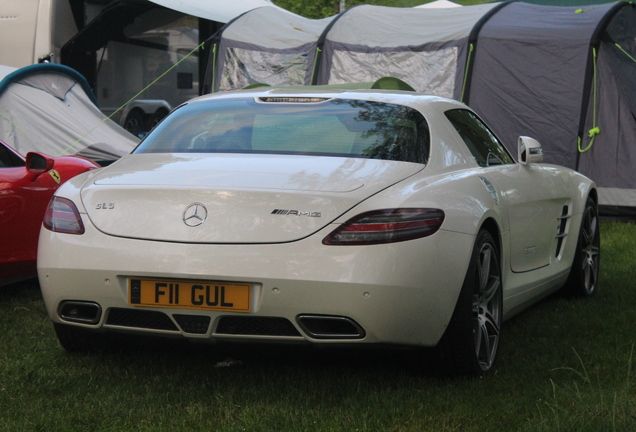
[(38, 163), (529, 150)]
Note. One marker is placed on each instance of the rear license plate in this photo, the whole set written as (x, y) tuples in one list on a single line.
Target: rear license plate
[(185, 294)]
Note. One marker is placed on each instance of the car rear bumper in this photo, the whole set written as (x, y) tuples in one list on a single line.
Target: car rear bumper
[(400, 293)]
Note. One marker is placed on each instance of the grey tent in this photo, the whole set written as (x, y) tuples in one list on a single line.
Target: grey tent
[(567, 76), (564, 75), (424, 47), (49, 108)]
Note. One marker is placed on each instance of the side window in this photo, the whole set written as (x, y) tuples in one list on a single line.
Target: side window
[(8, 159), (479, 139)]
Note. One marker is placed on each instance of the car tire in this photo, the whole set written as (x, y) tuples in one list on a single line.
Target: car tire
[(469, 345), (78, 340), (583, 278), (155, 119), (135, 123)]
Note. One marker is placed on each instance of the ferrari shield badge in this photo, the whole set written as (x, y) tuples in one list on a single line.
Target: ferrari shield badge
[(56, 176)]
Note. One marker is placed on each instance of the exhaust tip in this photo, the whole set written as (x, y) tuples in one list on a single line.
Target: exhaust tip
[(80, 312), (330, 327)]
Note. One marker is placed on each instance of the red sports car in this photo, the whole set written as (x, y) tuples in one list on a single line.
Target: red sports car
[(26, 186)]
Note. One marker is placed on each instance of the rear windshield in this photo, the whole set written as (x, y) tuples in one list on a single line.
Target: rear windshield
[(302, 126)]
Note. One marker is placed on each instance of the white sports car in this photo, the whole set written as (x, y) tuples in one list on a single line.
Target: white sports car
[(318, 216)]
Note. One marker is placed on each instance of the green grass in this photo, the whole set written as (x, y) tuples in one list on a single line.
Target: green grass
[(565, 365)]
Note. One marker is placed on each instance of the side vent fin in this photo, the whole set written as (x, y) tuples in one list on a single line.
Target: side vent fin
[(561, 228)]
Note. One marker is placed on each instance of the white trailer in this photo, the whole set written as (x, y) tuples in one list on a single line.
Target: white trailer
[(34, 31), (120, 46)]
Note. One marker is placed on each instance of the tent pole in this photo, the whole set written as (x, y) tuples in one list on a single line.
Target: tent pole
[(472, 45), (320, 45), (590, 75)]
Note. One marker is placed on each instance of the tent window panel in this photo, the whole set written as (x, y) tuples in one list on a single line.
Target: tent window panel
[(430, 72), (244, 67), (482, 143)]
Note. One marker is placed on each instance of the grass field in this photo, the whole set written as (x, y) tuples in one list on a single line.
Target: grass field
[(565, 365)]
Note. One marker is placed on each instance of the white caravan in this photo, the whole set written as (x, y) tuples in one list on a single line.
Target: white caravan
[(34, 31)]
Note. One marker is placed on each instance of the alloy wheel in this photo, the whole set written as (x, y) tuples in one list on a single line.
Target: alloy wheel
[(590, 250), (487, 307)]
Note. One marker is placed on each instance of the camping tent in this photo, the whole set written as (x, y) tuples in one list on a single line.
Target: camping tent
[(265, 45), (564, 75), (423, 46), (49, 108)]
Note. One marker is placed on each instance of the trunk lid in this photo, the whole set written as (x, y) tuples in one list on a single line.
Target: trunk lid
[(232, 198)]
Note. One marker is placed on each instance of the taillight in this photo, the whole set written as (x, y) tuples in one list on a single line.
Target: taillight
[(386, 226), (62, 216)]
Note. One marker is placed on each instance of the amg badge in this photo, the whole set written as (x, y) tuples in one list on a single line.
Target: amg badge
[(295, 213)]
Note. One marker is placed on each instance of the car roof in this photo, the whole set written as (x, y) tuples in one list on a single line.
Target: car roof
[(416, 100)]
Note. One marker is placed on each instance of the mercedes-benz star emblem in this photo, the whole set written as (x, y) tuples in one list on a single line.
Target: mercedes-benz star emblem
[(195, 214)]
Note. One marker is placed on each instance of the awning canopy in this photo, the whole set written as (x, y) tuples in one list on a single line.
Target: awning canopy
[(214, 10)]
